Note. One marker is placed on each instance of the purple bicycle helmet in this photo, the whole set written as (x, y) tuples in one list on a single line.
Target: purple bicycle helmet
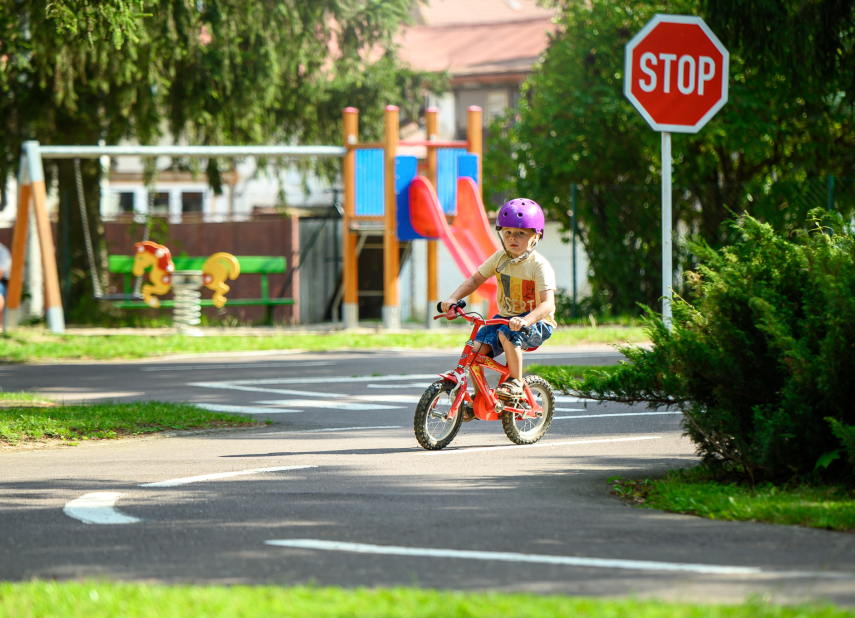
[(522, 213)]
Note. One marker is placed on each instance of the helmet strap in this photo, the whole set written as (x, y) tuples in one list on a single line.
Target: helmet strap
[(517, 260)]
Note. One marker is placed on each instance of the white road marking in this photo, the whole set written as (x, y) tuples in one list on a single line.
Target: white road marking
[(217, 407), (281, 364), (494, 556), (221, 475), (324, 380), (97, 508), (413, 385), (333, 405), (567, 410), (340, 429), (568, 399), (276, 391), (555, 418), (539, 444), (389, 398)]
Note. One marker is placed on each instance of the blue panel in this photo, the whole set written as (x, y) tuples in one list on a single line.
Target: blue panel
[(369, 182), (467, 166), (446, 178), (405, 171)]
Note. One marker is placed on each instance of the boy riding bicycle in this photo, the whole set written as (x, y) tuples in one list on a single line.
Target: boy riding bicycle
[(525, 296)]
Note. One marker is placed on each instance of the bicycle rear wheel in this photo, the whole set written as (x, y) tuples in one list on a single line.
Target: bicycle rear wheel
[(431, 424)]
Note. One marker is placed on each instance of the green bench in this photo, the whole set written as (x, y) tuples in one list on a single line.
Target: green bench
[(249, 265)]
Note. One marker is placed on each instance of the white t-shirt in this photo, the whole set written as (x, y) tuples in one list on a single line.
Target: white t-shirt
[(519, 285), (5, 262)]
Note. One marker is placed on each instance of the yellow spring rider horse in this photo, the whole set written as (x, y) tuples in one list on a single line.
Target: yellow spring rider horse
[(215, 271)]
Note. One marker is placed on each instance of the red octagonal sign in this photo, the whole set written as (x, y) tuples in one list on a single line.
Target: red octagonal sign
[(676, 73)]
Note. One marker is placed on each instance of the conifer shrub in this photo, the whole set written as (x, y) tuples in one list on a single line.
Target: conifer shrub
[(762, 360)]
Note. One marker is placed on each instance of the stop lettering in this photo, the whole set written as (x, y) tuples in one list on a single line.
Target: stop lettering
[(676, 73)]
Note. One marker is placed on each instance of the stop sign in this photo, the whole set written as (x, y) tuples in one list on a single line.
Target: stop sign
[(676, 73)]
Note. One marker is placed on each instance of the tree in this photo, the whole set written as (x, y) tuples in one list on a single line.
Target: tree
[(210, 72), (574, 126)]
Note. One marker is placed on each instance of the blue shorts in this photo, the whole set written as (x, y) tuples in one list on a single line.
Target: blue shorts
[(3, 289), (540, 332)]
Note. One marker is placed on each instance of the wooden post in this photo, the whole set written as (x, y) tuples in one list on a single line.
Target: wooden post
[(19, 248), (53, 300), (474, 135), (431, 125), (390, 229), (350, 307)]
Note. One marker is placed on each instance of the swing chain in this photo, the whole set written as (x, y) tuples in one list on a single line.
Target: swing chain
[(90, 253)]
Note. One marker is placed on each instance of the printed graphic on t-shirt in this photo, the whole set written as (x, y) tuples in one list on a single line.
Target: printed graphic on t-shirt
[(519, 294)]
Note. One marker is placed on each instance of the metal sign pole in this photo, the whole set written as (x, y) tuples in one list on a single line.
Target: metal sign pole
[(667, 277)]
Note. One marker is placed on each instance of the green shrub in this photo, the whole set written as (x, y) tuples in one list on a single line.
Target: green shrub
[(764, 355)]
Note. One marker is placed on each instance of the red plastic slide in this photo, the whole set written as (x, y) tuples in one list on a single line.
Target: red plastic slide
[(470, 241)]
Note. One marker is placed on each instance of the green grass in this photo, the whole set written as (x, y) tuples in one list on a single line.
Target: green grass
[(101, 599), (19, 397), (559, 375), (29, 345), (106, 420), (695, 493)]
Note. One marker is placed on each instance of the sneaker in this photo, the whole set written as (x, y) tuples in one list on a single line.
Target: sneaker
[(468, 412)]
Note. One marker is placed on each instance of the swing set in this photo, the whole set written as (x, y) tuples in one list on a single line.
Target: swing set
[(32, 198)]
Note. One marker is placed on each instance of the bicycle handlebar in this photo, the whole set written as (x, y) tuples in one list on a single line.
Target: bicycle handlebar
[(458, 307)]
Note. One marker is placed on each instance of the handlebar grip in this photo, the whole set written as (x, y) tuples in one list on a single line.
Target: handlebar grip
[(460, 303)]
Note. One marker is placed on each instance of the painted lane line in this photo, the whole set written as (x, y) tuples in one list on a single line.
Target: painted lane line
[(555, 418), (279, 433), (493, 556), (98, 508), (389, 398), (276, 391), (221, 475), (413, 385), (281, 365), (568, 399), (218, 407), (324, 380), (332, 405), (567, 410), (538, 445)]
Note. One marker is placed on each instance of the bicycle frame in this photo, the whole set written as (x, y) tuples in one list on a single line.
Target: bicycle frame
[(485, 404)]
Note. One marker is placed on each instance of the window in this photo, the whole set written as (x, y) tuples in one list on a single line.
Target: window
[(497, 102), (191, 202), (160, 204), (125, 201)]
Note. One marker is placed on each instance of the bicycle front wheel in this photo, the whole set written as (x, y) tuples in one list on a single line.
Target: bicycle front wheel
[(527, 430), (433, 428)]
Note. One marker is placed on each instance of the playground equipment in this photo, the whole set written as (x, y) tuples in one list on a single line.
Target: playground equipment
[(383, 193), (32, 195), (187, 308)]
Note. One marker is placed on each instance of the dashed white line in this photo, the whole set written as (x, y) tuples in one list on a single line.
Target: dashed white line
[(413, 385), (555, 418), (98, 508), (345, 429), (494, 556), (221, 475), (333, 405), (217, 407), (454, 451)]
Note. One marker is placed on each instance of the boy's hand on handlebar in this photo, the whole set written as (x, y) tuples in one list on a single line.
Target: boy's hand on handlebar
[(446, 305), (517, 323)]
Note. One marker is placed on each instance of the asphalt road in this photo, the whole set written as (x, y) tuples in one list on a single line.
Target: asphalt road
[(337, 491)]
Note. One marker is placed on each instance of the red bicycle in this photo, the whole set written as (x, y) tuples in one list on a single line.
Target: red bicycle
[(439, 412)]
